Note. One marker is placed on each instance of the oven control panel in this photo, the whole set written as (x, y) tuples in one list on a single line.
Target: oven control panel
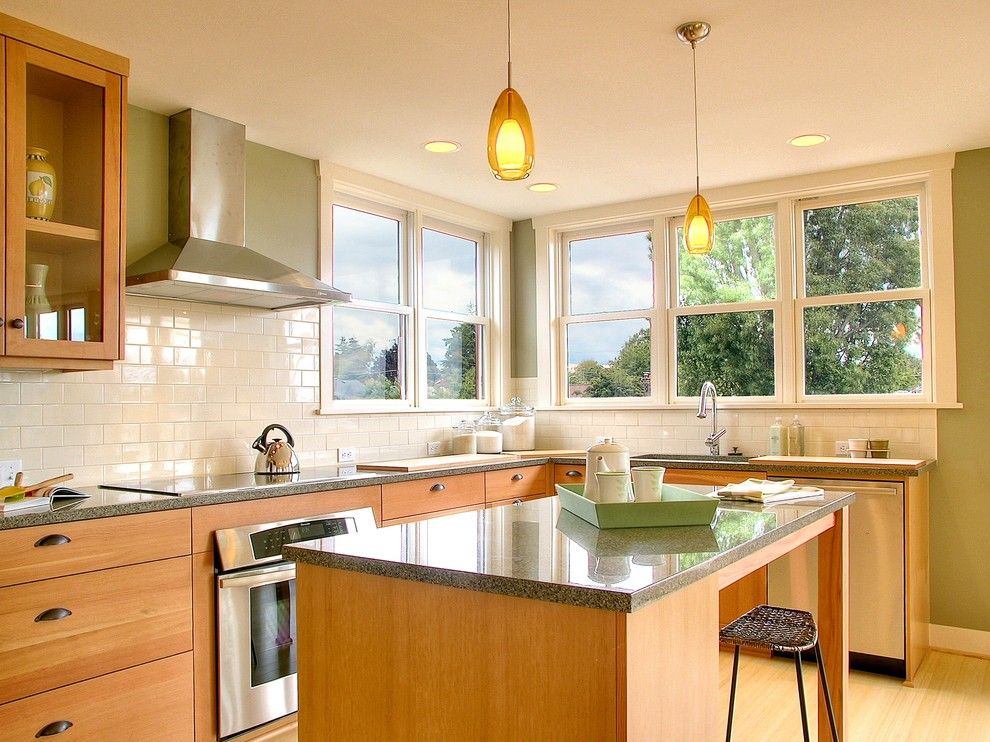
[(270, 542)]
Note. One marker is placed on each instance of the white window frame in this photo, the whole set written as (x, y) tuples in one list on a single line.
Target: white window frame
[(418, 210), (931, 177), (651, 314), (922, 293)]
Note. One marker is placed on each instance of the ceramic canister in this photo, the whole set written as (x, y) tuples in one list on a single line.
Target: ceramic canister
[(605, 456), (40, 185)]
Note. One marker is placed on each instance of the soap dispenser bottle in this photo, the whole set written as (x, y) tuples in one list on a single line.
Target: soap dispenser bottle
[(795, 438), (778, 438)]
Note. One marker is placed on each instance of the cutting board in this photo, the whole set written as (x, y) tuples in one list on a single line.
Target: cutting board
[(841, 461), (428, 463)]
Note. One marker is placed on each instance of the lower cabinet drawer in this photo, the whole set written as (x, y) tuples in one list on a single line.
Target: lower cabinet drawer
[(568, 473), (149, 702), (419, 496), (61, 631), (518, 482)]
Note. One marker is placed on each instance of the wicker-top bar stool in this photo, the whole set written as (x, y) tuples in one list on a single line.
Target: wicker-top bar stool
[(780, 630)]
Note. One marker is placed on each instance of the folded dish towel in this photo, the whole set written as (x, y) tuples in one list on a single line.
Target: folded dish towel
[(762, 490)]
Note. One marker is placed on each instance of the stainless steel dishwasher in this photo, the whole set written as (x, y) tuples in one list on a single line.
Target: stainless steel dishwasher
[(877, 617)]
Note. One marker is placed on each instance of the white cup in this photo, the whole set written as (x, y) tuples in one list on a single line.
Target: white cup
[(647, 482), (613, 486)]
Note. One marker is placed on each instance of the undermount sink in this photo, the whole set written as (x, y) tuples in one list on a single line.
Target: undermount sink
[(688, 457)]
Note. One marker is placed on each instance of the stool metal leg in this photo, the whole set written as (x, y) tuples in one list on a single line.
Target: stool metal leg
[(828, 697), (732, 693), (800, 685)]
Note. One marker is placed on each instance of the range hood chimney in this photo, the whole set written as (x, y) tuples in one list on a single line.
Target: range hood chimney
[(205, 259)]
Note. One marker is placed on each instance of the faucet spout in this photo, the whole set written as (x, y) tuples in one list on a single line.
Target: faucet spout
[(712, 441)]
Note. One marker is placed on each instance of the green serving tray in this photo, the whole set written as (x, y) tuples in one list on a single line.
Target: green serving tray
[(677, 507)]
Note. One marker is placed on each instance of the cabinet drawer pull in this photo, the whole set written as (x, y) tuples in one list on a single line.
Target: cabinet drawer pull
[(53, 614), (517, 477), (438, 487), (17, 324), (572, 473), (517, 501), (56, 727), (54, 539)]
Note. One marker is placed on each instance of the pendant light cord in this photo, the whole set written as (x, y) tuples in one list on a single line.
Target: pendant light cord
[(508, 28), (697, 166)]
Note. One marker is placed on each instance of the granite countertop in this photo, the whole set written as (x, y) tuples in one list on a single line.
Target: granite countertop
[(536, 550), (215, 490)]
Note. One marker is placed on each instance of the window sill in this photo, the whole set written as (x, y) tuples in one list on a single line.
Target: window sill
[(729, 404)]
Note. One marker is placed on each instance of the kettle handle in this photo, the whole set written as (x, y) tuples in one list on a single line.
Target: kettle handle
[(261, 442)]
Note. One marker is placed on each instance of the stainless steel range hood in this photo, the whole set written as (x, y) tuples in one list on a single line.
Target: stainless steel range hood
[(205, 259)]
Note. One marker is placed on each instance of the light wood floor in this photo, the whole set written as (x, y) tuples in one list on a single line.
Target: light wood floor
[(950, 702)]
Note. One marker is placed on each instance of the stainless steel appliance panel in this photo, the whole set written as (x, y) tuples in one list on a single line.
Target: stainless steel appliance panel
[(876, 569)]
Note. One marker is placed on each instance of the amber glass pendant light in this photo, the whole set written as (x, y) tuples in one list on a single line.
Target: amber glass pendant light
[(511, 150), (699, 229)]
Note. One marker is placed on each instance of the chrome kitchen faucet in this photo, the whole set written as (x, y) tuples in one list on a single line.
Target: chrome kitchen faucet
[(708, 390)]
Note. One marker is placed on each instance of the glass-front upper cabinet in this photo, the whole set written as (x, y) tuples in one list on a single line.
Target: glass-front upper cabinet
[(63, 207)]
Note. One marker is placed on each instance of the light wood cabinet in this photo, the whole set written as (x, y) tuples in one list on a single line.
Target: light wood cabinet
[(521, 482), (568, 473), (150, 702), (62, 292), (67, 629), (42, 552), (422, 496)]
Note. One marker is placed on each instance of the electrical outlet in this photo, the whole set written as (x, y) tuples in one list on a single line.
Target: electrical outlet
[(842, 448), (433, 448), (346, 455), (599, 439), (8, 470)]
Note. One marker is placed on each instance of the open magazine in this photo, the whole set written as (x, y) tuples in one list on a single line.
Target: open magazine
[(58, 497), (766, 492)]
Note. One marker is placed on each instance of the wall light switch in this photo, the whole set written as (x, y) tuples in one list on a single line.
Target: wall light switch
[(8, 470), (842, 448), (346, 455), (433, 448)]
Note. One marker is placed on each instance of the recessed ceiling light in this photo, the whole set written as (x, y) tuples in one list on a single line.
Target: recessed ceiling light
[(442, 146), (808, 140), (543, 187)]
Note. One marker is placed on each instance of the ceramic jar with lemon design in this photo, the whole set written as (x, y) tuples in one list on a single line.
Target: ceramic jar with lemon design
[(40, 185)]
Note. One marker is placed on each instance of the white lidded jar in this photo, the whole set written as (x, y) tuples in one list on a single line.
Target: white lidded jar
[(605, 456), (489, 435), (463, 438), (518, 426)]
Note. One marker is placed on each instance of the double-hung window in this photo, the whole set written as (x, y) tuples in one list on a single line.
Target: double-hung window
[(418, 330)]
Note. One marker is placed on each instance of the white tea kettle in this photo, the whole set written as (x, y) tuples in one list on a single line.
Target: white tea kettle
[(605, 456), (276, 457)]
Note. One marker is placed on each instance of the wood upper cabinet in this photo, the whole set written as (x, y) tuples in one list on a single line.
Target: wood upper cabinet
[(64, 108)]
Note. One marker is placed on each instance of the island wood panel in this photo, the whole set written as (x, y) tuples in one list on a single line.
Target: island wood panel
[(419, 496), (833, 621), (508, 484), (453, 664), (100, 543), (150, 702), (917, 573), (206, 520), (675, 632), (119, 618)]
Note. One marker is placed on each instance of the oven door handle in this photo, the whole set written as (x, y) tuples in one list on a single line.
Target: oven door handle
[(259, 576)]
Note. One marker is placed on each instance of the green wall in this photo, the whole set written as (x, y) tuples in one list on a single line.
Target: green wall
[(960, 518), (523, 301), (282, 193)]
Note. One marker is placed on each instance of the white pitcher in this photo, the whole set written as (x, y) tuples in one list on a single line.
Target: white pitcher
[(605, 456)]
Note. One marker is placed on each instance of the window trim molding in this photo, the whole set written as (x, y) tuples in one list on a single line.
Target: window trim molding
[(349, 187), (933, 174)]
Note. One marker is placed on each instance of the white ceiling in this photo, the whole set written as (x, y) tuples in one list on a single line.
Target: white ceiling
[(364, 83)]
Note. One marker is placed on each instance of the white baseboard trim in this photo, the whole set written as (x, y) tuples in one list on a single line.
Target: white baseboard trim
[(959, 641)]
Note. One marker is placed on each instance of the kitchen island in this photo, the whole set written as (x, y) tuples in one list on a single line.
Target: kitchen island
[(525, 622)]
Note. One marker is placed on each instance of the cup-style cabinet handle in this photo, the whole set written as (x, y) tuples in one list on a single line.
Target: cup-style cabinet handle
[(438, 487), (53, 539), (56, 727), (517, 477), (572, 473), (53, 614), (517, 501), (17, 323)]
